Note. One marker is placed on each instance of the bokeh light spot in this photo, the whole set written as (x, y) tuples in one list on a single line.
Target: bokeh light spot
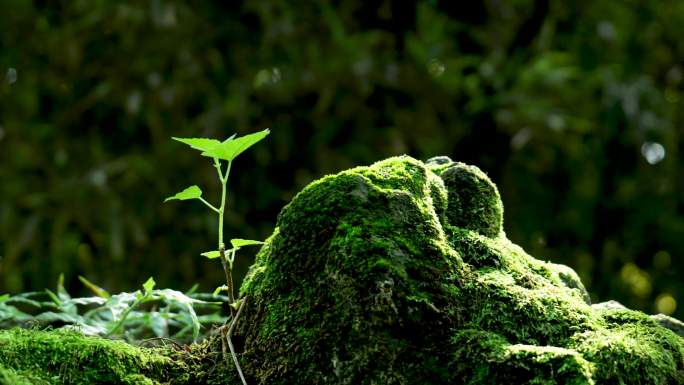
[(11, 76), (662, 260), (436, 68), (653, 152), (665, 304), (637, 280)]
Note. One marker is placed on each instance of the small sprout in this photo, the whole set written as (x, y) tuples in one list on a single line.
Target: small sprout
[(226, 151), (219, 151)]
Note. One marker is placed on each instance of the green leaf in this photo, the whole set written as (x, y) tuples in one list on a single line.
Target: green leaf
[(219, 289), (212, 254), (232, 147), (53, 297), (5, 297), (201, 144), (100, 292), (237, 242), (192, 192), (149, 285)]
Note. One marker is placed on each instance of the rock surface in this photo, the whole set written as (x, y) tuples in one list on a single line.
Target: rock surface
[(396, 273)]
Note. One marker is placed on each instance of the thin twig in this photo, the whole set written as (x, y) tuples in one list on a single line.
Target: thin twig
[(230, 342)]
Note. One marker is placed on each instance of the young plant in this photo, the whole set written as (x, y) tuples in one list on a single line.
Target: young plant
[(225, 151)]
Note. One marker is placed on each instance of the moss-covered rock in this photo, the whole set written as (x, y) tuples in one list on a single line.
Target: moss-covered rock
[(67, 357), (396, 273), (400, 273)]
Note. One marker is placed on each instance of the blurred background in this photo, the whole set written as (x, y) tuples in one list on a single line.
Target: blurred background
[(574, 109)]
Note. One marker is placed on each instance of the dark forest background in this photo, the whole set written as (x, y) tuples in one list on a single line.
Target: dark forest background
[(574, 109)]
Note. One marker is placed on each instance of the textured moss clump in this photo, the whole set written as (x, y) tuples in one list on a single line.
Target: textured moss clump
[(64, 357), (400, 273)]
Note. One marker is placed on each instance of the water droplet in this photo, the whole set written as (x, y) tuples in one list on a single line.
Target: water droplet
[(653, 152), (436, 68), (11, 76)]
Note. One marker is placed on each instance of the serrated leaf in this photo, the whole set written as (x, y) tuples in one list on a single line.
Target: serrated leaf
[(148, 286), (100, 292), (237, 242), (212, 254), (201, 144), (230, 148), (192, 192)]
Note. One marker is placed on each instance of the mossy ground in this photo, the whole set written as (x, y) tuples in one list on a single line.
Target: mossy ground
[(396, 273)]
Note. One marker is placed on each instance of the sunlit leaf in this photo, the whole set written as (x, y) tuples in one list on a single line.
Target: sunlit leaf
[(100, 292), (192, 192), (232, 147), (149, 285), (237, 242), (201, 144), (211, 254)]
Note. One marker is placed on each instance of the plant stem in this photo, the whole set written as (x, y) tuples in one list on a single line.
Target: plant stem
[(222, 208), (229, 281), (230, 341), (208, 204), (222, 247)]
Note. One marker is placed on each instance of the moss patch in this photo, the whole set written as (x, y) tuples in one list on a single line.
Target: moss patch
[(396, 273), (62, 357), (400, 273)]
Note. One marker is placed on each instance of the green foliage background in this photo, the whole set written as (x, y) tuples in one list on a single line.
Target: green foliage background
[(561, 103)]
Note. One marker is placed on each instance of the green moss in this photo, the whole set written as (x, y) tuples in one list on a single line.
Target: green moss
[(481, 357), (396, 273), (400, 273), (13, 377), (474, 201), (62, 357)]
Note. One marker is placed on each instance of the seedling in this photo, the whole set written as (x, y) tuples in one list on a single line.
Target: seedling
[(225, 151), (219, 151)]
